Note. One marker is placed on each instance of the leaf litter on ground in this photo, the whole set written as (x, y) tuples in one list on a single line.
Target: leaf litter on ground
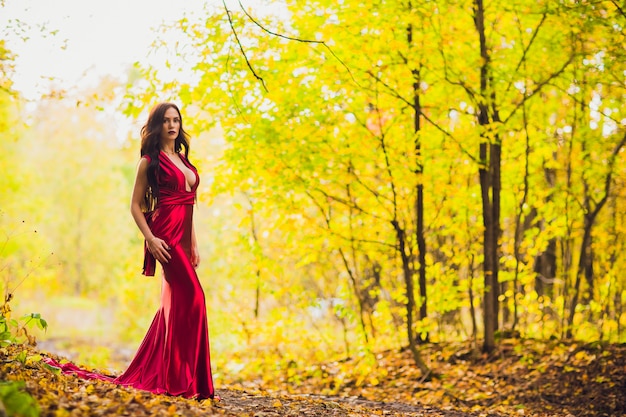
[(523, 378)]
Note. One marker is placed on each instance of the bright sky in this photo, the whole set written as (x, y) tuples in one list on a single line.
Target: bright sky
[(100, 37)]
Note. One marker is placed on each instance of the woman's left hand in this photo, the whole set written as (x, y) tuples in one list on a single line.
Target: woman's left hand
[(195, 257)]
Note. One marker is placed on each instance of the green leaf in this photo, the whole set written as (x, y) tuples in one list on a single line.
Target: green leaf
[(53, 369), (21, 357), (42, 324), (16, 401)]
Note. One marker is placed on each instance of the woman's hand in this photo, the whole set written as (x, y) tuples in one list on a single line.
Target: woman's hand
[(195, 256), (159, 249)]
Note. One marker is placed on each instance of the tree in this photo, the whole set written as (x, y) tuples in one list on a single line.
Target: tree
[(422, 140)]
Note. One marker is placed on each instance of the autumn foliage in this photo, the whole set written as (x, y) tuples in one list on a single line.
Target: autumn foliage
[(377, 176)]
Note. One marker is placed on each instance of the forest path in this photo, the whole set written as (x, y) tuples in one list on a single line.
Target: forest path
[(241, 402)]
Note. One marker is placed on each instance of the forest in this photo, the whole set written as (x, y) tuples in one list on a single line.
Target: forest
[(439, 179)]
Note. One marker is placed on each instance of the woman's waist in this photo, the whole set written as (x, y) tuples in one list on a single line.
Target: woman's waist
[(169, 213), (168, 198)]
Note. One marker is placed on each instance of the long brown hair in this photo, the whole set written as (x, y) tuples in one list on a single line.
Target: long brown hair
[(151, 146)]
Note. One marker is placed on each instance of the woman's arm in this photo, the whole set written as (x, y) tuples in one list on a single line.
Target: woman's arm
[(157, 247), (195, 253)]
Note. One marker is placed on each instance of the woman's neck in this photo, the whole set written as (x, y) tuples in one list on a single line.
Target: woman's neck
[(168, 150)]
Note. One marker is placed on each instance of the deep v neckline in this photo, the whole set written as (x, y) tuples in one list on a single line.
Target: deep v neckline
[(191, 187)]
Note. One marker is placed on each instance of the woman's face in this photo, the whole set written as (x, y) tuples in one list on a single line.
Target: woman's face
[(171, 126)]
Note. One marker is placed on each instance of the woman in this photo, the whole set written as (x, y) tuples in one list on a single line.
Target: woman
[(174, 355)]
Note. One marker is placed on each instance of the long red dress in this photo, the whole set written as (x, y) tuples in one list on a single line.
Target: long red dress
[(174, 356)]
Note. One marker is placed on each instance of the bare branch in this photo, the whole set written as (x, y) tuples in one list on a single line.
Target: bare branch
[(290, 38), (232, 26)]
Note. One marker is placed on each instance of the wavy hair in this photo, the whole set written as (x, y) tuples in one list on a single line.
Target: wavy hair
[(151, 146)]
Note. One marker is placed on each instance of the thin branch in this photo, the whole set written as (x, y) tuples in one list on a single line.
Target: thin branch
[(290, 38), (29, 273), (352, 172), (392, 92), (449, 135), (357, 240), (579, 101), (618, 8), (471, 93), (390, 173), (530, 43), (330, 230), (395, 94), (321, 209), (326, 194), (232, 26), (527, 48), (232, 94), (363, 124), (347, 203), (607, 183), (379, 197), (441, 48), (539, 87)]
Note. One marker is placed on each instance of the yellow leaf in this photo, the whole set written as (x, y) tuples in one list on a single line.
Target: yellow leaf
[(30, 360), (277, 404), (62, 412)]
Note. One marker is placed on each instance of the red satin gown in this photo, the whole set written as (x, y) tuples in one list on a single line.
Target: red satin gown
[(174, 356)]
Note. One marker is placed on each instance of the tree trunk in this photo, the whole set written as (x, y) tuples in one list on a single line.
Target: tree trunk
[(489, 173), (584, 260), (419, 201), (257, 292), (410, 296), (545, 262), (520, 229)]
